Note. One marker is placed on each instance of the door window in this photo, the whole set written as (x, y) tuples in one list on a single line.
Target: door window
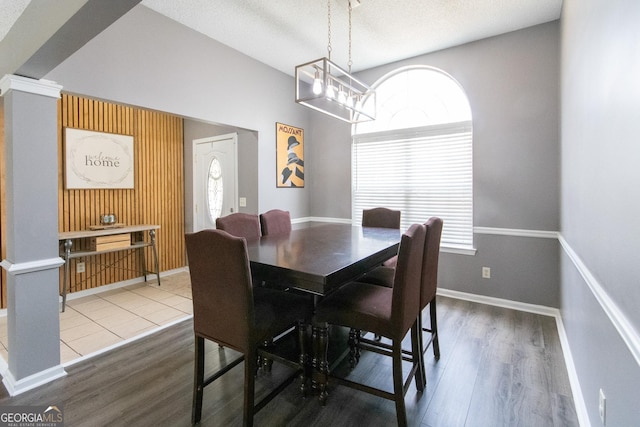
[(214, 189)]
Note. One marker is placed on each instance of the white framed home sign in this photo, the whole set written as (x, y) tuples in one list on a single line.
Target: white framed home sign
[(98, 160)]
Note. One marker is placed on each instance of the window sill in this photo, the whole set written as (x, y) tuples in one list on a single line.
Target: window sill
[(458, 250)]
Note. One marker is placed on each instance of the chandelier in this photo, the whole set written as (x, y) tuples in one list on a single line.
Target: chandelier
[(330, 89)]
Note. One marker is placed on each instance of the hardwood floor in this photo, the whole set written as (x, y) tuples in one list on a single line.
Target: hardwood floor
[(499, 367)]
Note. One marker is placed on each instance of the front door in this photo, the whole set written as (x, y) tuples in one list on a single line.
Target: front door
[(214, 179)]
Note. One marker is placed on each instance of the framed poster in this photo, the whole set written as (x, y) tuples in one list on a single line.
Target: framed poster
[(98, 160), (289, 156)]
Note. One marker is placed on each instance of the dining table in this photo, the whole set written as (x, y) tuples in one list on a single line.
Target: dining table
[(317, 258)]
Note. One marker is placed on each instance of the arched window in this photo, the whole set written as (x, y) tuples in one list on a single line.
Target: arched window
[(417, 155)]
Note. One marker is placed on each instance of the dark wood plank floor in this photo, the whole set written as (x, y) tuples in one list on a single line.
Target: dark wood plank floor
[(499, 367)]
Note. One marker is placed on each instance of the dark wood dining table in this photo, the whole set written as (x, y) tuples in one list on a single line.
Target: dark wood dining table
[(318, 258)]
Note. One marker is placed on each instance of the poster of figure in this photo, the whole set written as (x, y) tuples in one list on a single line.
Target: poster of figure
[(289, 156)]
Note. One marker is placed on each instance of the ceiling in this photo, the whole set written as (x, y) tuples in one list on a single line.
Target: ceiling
[(285, 33)]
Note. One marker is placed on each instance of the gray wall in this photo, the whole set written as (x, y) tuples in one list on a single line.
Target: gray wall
[(601, 201), (147, 60), (512, 85), (247, 164)]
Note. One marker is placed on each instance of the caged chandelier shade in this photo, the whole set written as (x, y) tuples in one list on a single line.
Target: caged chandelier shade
[(330, 89)]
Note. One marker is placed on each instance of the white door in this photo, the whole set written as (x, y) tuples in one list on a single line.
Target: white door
[(214, 179)]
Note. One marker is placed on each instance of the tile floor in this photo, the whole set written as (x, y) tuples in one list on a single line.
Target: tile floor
[(97, 321)]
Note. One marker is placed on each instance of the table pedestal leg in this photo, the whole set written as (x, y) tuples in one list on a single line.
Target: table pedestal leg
[(304, 358), (320, 363)]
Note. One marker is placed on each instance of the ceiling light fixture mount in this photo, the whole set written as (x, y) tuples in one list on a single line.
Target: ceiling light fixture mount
[(330, 89)]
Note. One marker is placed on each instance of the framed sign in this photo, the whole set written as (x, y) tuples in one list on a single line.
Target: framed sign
[(289, 156), (98, 160)]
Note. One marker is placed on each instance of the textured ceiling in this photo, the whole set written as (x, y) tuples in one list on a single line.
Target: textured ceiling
[(11, 10), (285, 33)]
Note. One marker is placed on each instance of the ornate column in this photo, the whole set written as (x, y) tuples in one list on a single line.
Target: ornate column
[(32, 258)]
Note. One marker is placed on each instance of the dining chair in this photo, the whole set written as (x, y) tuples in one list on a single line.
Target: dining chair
[(383, 218), (384, 276), (389, 312), (275, 221), (240, 224), (226, 309)]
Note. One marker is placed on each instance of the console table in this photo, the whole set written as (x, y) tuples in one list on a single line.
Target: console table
[(135, 233)]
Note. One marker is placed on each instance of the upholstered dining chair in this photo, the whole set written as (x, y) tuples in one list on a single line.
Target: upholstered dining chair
[(389, 312), (383, 218), (226, 309), (275, 221), (240, 224), (384, 276)]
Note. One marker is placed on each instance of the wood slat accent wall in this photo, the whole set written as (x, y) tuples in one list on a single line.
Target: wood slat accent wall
[(157, 197)]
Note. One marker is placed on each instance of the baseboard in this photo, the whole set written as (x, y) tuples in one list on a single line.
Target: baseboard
[(321, 219), (576, 390), (499, 302), (150, 279), (15, 387)]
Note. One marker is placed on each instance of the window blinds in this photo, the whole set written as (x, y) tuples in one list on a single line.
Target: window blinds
[(422, 172)]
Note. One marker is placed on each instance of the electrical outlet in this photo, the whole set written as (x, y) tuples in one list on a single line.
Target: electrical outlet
[(602, 408), (243, 202), (486, 273), (80, 267)]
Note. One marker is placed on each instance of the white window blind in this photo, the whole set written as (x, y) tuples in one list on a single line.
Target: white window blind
[(422, 172)]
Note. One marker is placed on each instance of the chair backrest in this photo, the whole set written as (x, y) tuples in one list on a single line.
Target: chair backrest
[(430, 260), (407, 278), (275, 221), (381, 217), (240, 225), (221, 287)]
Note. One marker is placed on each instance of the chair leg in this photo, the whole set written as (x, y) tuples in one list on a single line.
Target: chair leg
[(198, 381), (398, 384), (250, 362), (416, 354), (434, 328), (421, 350)]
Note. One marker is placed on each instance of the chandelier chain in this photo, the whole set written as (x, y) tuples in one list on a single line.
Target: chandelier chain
[(329, 26)]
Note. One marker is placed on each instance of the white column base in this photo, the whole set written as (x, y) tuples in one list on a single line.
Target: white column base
[(15, 387)]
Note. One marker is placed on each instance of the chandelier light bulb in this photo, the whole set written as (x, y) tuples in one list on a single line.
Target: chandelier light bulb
[(350, 101), (342, 96), (358, 105), (331, 91), (317, 84)]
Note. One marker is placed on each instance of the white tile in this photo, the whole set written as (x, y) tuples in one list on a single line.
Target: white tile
[(80, 331), (94, 342)]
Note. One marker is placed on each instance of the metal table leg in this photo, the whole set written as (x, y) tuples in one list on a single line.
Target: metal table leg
[(66, 278), (152, 235)]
